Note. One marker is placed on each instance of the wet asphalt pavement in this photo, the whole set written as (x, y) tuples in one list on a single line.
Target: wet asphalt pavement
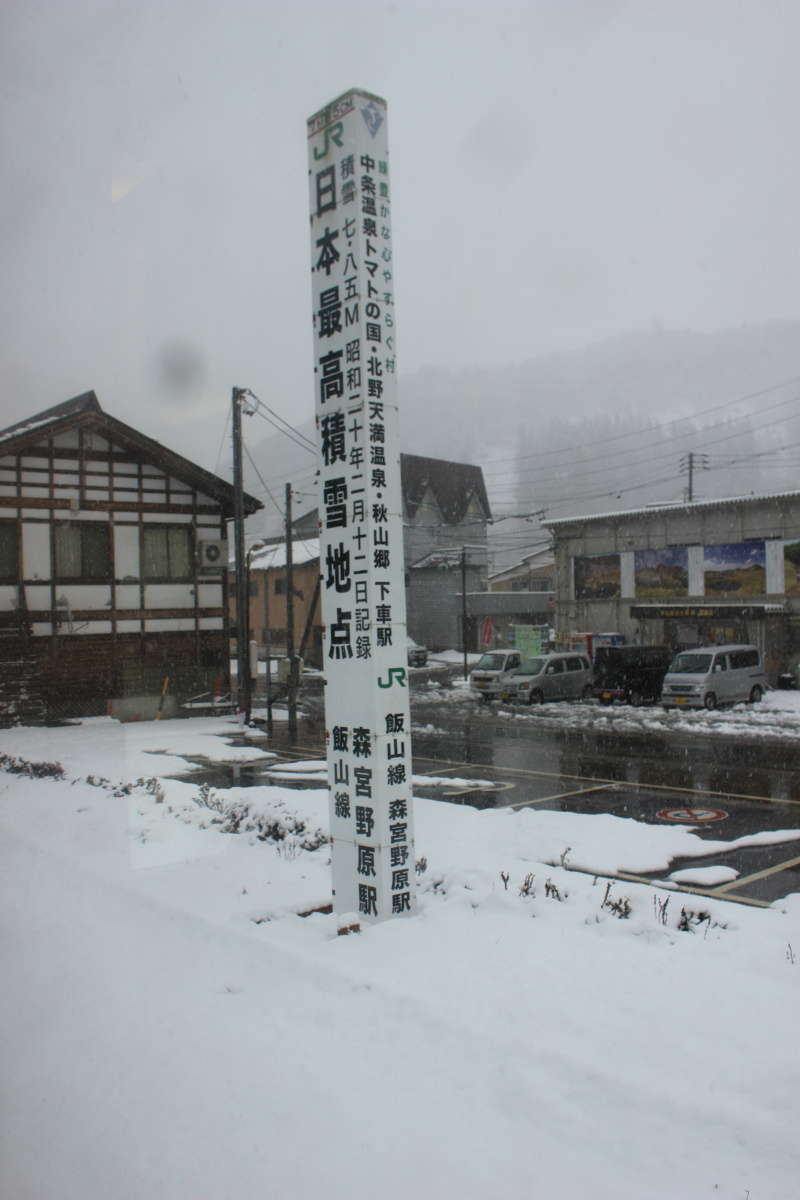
[(725, 788)]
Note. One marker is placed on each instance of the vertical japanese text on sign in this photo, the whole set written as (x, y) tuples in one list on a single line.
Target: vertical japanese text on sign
[(360, 508)]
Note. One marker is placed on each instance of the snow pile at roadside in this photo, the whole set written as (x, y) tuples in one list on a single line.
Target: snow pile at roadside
[(173, 1028), (776, 716)]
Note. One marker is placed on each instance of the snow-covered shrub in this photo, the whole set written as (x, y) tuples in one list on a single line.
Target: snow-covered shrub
[(33, 770)]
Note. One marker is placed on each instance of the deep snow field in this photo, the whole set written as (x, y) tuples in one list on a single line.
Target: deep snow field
[(172, 1028)]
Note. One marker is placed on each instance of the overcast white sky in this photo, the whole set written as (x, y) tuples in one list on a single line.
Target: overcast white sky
[(562, 170)]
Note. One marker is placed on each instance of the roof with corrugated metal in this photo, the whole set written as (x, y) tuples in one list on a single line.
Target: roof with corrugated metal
[(659, 509)]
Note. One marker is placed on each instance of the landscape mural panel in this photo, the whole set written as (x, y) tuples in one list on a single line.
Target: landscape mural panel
[(735, 569), (661, 574), (597, 576)]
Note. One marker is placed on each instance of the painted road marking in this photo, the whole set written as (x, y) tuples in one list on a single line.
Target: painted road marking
[(743, 880), (637, 785), (603, 787), (693, 816)]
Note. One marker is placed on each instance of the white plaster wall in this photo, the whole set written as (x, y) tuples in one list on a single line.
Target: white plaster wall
[(35, 551), (126, 551), (165, 625), (127, 595), (168, 518), (168, 595), (627, 583), (85, 595), (68, 439), (210, 623), (209, 595), (37, 598), (129, 626)]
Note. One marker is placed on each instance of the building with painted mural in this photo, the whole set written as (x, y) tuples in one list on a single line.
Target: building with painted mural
[(686, 575), (112, 556)]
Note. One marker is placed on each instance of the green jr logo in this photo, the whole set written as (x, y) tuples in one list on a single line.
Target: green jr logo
[(394, 675), (333, 133)]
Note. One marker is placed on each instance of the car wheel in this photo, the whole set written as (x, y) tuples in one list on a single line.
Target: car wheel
[(709, 701), (634, 697), (535, 697), (756, 694), (586, 694)]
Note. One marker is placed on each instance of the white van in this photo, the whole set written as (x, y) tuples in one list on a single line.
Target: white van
[(490, 666), (712, 675)]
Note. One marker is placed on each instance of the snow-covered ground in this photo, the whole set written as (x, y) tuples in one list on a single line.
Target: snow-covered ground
[(173, 1029)]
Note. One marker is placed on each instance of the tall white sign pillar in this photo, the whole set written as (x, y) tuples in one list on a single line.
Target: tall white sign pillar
[(360, 505)]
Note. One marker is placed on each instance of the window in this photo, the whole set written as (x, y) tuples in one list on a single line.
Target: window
[(9, 551), (166, 552), (280, 587), (743, 658), (83, 550)]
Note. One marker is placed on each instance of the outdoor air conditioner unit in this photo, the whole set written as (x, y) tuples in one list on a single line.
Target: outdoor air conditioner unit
[(212, 556)]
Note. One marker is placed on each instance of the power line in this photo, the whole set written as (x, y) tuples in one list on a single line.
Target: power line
[(675, 421), (263, 484), (294, 435)]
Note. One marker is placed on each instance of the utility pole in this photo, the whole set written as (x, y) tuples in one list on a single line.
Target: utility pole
[(243, 687), (292, 680), (464, 606), (687, 466), (268, 651)]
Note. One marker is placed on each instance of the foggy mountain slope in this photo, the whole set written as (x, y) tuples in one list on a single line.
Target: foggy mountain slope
[(594, 429)]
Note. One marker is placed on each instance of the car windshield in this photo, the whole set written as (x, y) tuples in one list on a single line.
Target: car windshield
[(531, 666), (491, 662), (691, 664)]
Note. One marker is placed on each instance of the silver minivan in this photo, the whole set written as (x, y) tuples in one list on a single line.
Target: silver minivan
[(548, 677), (712, 675), (488, 669)]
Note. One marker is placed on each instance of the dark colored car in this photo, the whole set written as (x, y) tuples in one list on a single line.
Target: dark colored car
[(632, 674), (417, 655)]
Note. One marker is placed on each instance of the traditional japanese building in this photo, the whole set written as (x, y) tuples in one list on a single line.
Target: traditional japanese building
[(685, 575), (112, 557)]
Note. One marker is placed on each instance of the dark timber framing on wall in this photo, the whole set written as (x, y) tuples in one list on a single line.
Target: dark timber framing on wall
[(79, 639)]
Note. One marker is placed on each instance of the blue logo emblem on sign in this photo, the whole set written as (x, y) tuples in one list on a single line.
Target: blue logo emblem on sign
[(373, 117)]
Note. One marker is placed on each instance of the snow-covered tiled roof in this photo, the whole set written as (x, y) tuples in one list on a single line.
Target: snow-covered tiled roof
[(303, 551), (670, 507)]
